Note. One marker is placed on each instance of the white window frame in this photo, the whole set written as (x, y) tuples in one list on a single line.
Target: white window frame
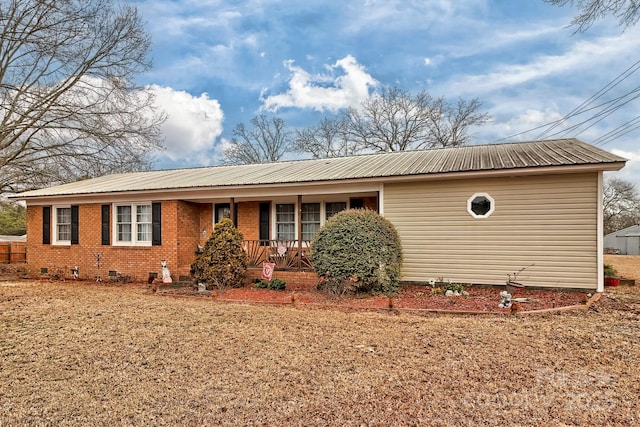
[(275, 220), (323, 212), (134, 225), (491, 209), (319, 222), (54, 225)]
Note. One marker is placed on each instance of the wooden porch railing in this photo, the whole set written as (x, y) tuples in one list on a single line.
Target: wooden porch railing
[(285, 254)]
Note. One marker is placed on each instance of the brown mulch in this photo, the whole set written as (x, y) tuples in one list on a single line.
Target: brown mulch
[(479, 300), (76, 354)]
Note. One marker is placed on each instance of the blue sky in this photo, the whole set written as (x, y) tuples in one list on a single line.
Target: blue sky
[(219, 63)]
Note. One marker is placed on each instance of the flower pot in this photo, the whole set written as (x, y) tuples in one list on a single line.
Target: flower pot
[(611, 281)]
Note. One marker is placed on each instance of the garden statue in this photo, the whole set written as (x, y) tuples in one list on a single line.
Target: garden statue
[(505, 300), (166, 274)]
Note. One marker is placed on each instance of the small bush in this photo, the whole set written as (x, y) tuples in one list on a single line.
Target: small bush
[(609, 271), (454, 287), (275, 284), (222, 262), (357, 250)]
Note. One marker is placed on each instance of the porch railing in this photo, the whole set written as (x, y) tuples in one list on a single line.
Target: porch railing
[(285, 254)]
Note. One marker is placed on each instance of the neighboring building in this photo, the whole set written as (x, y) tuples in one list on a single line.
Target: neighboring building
[(623, 242), (470, 214)]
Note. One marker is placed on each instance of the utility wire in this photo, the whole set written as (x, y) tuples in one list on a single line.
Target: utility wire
[(601, 115), (613, 83)]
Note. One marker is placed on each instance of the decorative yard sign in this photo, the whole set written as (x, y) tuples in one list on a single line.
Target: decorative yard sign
[(267, 270)]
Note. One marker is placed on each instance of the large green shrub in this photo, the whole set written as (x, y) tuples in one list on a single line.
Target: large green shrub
[(222, 263), (357, 250)]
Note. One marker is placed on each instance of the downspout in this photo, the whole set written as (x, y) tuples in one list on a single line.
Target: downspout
[(600, 231), (381, 199)]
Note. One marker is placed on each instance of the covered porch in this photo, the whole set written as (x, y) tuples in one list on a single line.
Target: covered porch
[(279, 230)]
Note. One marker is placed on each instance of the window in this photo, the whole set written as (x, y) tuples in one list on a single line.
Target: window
[(480, 205), (310, 220), (143, 222), (133, 224), (63, 225), (333, 208), (223, 210), (285, 221)]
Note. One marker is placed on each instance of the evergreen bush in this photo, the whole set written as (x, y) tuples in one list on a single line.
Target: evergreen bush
[(357, 250), (222, 262)]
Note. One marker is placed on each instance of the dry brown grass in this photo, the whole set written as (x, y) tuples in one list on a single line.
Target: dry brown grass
[(82, 354), (626, 265)]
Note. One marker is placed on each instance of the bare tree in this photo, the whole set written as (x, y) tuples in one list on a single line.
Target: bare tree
[(330, 138), (391, 120), (394, 120), (627, 11), (621, 205), (265, 141), (449, 123), (68, 107)]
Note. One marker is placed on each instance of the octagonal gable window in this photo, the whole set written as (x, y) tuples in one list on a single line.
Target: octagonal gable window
[(481, 205)]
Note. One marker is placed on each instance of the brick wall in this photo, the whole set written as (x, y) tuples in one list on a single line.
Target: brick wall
[(371, 203), (189, 233), (249, 220), (136, 261)]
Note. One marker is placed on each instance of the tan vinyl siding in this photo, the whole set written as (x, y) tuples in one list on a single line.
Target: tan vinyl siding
[(549, 221)]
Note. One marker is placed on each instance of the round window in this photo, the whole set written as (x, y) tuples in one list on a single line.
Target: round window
[(480, 205)]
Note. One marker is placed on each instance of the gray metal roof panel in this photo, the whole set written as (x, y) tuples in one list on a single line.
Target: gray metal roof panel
[(565, 152)]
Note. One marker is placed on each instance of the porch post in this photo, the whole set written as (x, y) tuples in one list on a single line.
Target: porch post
[(299, 231), (232, 211)]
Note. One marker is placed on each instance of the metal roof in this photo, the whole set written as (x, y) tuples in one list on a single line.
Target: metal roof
[(472, 158)]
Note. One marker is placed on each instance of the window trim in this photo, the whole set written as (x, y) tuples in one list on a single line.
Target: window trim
[(54, 226), (492, 208), (134, 225), (296, 208)]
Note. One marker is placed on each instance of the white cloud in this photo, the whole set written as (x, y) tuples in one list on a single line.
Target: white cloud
[(192, 125), (578, 59), (512, 127), (324, 91), (631, 171)]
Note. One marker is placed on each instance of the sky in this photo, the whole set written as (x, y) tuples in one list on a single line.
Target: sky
[(219, 63)]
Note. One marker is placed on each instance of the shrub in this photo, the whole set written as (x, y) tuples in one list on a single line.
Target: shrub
[(357, 250), (222, 262), (610, 271), (455, 287), (275, 284)]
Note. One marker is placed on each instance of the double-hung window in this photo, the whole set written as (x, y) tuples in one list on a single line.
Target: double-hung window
[(133, 224), (286, 221), (310, 220), (332, 208), (62, 226)]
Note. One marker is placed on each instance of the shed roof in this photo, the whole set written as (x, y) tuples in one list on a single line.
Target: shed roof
[(472, 158), (632, 231)]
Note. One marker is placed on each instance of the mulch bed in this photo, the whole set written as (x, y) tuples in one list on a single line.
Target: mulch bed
[(479, 300)]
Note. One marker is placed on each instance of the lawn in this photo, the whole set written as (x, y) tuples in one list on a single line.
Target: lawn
[(87, 354)]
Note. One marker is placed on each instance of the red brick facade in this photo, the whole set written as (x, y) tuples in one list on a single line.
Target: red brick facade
[(184, 226), (248, 217), (134, 261)]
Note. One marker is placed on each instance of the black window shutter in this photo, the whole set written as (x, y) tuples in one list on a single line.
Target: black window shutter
[(264, 222), (156, 224), (106, 237), (74, 225), (46, 225)]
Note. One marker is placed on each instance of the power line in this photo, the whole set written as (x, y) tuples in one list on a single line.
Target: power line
[(612, 106), (613, 83)]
